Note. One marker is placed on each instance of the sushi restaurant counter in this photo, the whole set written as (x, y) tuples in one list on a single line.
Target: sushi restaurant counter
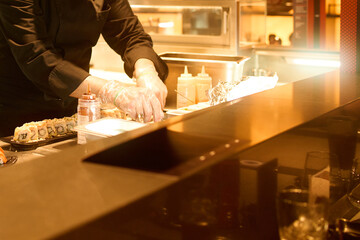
[(50, 190), (58, 188)]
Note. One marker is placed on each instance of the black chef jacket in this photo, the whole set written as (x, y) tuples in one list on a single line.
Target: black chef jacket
[(45, 50)]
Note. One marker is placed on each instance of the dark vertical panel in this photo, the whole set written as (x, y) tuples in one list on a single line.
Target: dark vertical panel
[(348, 34), (358, 38), (316, 24), (300, 35), (310, 23), (323, 24)]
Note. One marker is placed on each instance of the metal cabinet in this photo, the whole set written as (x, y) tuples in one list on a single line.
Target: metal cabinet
[(202, 26)]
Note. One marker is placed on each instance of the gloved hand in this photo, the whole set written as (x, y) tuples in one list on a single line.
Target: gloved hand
[(147, 77), (139, 103)]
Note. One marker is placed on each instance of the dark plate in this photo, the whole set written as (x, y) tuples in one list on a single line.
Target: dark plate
[(33, 145), (10, 161)]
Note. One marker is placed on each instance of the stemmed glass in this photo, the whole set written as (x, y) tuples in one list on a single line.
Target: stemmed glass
[(353, 191), (322, 175)]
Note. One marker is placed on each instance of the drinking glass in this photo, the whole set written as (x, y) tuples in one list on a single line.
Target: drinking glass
[(342, 137), (301, 216), (322, 175), (353, 192)]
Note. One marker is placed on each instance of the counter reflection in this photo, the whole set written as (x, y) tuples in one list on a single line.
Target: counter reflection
[(236, 198)]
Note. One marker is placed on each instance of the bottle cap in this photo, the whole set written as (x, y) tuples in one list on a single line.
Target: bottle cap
[(186, 74), (203, 73), (88, 95)]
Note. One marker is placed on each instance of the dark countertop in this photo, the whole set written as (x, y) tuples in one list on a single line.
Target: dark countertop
[(51, 195)]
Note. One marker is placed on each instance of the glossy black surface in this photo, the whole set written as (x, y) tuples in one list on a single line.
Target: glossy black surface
[(183, 178), (236, 198)]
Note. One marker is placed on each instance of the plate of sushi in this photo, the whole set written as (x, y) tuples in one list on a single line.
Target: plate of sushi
[(32, 135), (6, 160)]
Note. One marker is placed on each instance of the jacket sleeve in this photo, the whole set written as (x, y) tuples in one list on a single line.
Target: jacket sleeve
[(23, 26), (126, 36)]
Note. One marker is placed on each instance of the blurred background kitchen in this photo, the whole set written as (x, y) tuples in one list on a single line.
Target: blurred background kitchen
[(294, 38)]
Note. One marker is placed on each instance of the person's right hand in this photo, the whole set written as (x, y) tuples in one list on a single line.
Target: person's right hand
[(146, 76), (139, 103)]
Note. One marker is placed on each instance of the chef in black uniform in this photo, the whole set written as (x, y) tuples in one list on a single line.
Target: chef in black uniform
[(45, 50)]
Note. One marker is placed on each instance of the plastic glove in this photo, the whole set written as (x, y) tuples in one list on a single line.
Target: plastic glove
[(147, 77), (139, 103)]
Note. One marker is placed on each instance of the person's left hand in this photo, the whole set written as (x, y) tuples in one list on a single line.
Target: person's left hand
[(147, 77)]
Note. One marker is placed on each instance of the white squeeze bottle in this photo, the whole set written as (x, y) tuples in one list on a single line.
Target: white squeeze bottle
[(185, 89), (203, 85)]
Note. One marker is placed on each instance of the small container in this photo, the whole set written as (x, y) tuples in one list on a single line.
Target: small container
[(203, 85), (88, 110), (107, 127), (185, 89)]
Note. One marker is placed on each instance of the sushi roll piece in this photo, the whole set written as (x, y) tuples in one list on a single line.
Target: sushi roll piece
[(3, 158), (112, 112), (42, 130), (34, 131), (60, 126), (119, 113), (107, 113), (70, 124), (75, 117), (22, 134), (50, 128)]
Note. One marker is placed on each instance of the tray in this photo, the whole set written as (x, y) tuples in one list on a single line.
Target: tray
[(33, 145), (10, 161)]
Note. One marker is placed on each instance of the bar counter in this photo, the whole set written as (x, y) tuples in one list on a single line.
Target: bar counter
[(138, 185)]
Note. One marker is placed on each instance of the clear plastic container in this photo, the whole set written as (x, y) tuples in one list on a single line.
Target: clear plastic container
[(88, 110)]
